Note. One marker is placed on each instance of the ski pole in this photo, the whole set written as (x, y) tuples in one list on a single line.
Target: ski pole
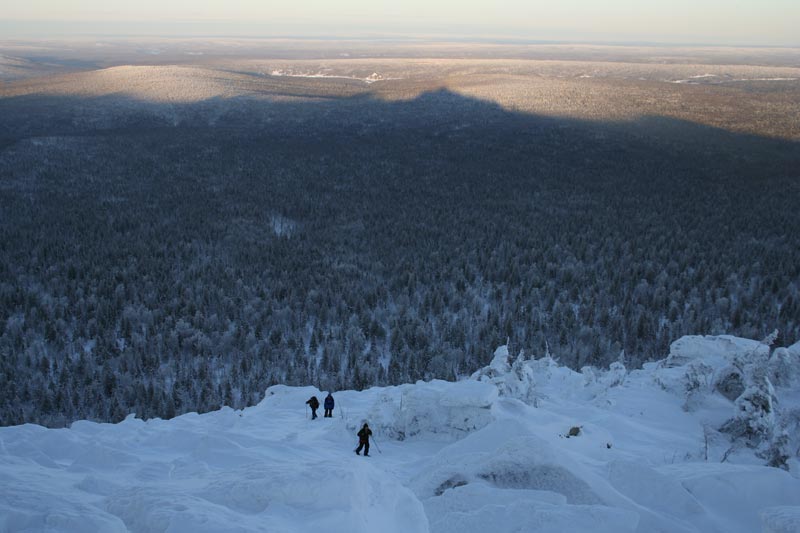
[(376, 444)]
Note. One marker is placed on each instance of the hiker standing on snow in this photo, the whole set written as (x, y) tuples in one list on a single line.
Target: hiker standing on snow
[(363, 440), (313, 403), (329, 406)]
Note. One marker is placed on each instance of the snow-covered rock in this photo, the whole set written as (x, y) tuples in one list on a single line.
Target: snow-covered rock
[(713, 350), (435, 408), (784, 366)]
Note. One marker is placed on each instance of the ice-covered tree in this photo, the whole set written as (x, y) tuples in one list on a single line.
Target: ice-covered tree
[(756, 423)]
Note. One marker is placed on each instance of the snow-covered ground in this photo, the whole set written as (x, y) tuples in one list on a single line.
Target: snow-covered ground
[(492, 453), (372, 78)]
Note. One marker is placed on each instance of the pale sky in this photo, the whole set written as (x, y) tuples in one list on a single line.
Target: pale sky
[(766, 22)]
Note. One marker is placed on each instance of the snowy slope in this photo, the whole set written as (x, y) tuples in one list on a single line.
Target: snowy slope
[(487, 454)]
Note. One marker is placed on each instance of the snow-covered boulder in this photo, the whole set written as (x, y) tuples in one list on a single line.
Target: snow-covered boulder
[(503, 478), (714, 350), (445, 408), (503, 456), (441, 408), (784, 366), (479, 507), (698, 365)]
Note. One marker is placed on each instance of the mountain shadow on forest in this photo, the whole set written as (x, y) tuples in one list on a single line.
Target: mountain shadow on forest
[(162, 258)]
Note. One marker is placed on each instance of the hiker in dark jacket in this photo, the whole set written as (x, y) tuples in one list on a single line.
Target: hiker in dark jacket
[(313, 403), (329, 406), (363, 440)]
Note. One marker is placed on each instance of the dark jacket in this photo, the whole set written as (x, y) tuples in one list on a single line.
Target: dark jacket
[(363, 435), (329, 402), (313, 402)]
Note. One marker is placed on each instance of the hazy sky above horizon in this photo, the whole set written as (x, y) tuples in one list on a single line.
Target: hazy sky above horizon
[(698, 21)]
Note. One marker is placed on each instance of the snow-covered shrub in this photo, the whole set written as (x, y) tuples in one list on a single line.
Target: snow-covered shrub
[(282, 226), (521, 381), (791, 424), (755, 412), (589, 374), (532, 380), (615, 375), (515, 380), (756, 423), (497, 369), (777, 453), (755, 417), (696, 384), (545, 369)]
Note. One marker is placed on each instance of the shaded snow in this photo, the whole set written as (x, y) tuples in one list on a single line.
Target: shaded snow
[(784, 519)]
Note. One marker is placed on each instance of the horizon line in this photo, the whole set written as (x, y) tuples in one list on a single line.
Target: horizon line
[(404, 38), (482, 36)]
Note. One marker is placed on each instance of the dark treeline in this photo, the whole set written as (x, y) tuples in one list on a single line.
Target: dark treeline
[(158, 268)]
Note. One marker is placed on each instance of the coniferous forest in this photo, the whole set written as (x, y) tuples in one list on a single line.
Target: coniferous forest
[(164, 258)]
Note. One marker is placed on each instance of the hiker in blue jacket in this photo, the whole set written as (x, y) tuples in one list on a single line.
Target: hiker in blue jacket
[(329, 406)]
